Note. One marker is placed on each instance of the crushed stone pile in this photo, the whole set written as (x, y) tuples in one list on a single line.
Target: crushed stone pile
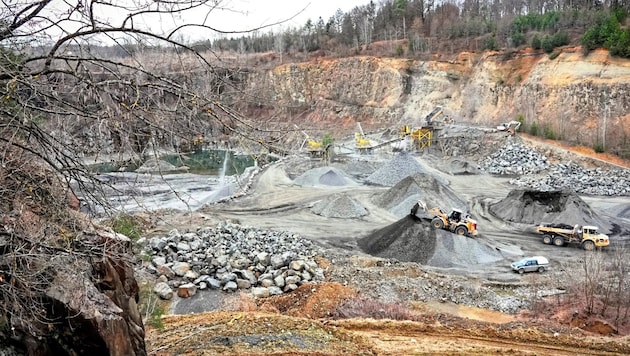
[(400, 198), (339, 206), (398, 168), (515, 158), (332, 178), (555, 207), (231, 257), (410, 240), (358, 168), (324, 176), (571, 176)]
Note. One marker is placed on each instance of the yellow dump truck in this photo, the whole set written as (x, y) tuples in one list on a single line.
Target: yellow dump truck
[(561, 234)]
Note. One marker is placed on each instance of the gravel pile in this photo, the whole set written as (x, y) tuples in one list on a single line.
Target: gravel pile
[(231, 257), (400, 198), (533, 207), (324, 176), (409, 240), (515, 158), (571, 176), (398, 168), (339, 206), (360, 169)]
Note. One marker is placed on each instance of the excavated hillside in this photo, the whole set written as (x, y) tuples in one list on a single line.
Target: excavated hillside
[(575, 97)]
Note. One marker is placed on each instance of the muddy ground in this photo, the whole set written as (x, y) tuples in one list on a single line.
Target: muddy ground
[(237, 324)]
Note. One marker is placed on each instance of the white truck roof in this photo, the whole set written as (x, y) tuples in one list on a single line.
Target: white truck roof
[(541, 260)]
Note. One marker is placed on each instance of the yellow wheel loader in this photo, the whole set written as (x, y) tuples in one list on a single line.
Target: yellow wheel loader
[(455, 222)]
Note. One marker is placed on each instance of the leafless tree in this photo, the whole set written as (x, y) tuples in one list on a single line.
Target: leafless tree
[(90, 76)]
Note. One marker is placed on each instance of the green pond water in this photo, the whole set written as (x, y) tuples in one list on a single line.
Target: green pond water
[(210, 162)]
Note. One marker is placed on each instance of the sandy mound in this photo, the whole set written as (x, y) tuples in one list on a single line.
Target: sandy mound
[(324, 176), (400, 198), (556, 207), (271, 177), (339, 206), (409, 240), (398, 168)]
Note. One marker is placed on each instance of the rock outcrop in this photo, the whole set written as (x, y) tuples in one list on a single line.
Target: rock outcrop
[(575, 97), (67, 287)]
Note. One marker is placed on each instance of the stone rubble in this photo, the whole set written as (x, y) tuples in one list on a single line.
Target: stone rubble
[(515, 158), (571, 176), (232, 257), (535, 172), (401, 166)]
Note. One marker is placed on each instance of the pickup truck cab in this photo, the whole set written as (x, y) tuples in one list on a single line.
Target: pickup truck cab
[(531, 264)]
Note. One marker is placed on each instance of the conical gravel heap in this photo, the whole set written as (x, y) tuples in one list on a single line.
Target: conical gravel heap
[(324, 176), (399, 199), (410, 240), (398, 168), (339, 206), (533, 207)]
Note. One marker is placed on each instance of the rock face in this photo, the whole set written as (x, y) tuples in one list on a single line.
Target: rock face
[(67, 286), (569, 96), (90, 304)]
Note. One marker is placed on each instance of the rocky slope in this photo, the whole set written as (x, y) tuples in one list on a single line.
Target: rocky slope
[(576, 97)]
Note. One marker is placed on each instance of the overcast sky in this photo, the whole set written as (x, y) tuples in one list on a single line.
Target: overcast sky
[(249, 14)]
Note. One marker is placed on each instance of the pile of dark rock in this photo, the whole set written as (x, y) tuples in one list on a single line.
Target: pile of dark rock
[(231, 257), (515, 158), (573, 177)]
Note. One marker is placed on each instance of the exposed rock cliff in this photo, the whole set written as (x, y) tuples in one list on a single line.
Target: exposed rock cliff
[(576, 97)]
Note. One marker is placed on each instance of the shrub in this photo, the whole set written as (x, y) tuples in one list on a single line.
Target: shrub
[(400, 50), (554, 55), (363, 308), (533, 129), (560, 39), (549, 134), (327, 140), (151, 307), (547, 44), (518, 39), (536, 42), (490, 43), (128, 226), (598, 147)]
